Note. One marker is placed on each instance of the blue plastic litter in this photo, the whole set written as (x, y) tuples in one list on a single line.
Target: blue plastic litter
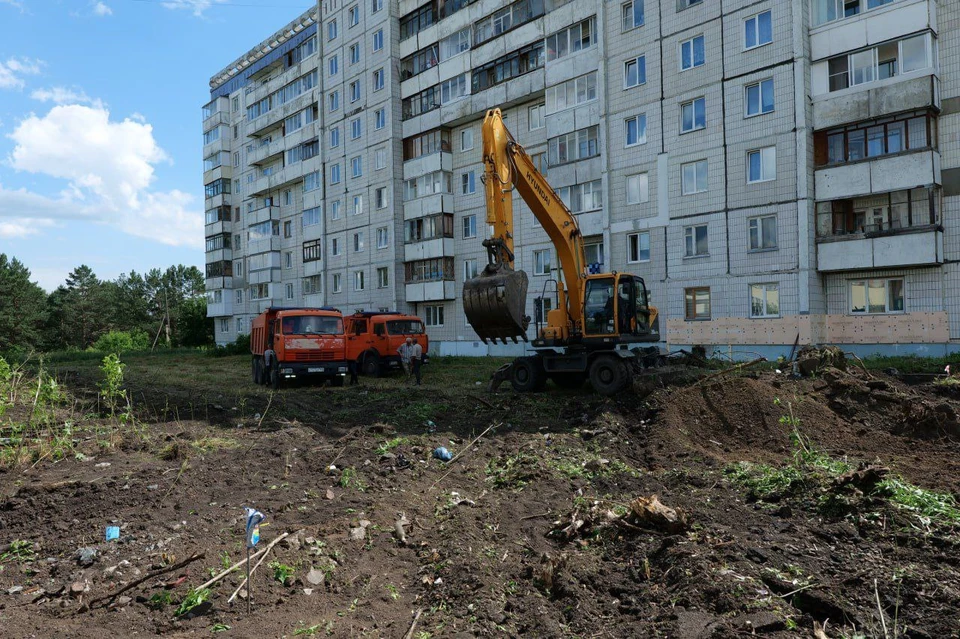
[(442, 453), (113, 532)]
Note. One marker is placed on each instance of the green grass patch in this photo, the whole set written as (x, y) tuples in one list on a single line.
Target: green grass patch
[(907, 363), (390, 444), (931, 507)]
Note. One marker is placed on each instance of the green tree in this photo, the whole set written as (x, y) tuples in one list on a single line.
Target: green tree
[(194, 327), (79, 310), (22, 306)]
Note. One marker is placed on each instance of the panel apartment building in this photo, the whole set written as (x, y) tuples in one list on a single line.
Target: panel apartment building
[(775, 171)]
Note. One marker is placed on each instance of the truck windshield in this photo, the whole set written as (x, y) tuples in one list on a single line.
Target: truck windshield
[(405, 327), (312, 325)]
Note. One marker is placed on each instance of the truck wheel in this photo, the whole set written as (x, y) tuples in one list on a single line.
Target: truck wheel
[(371, 365), (569, 380), (275, 379), (527, 375), (609, 375)]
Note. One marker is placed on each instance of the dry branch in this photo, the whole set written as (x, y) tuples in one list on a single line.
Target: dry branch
[(155, 573)]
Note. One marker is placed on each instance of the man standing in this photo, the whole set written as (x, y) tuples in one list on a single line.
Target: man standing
[(405, 351), (416, 359)]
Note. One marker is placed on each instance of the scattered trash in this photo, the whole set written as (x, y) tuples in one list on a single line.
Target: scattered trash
[(431, 427), (651, 513), (316, 577), (15, 590), (86, 556), (442, 454), (308, 591), (77, 588), (331, 469), (102, 464), (398, 528), (401, 461), (113, 532)]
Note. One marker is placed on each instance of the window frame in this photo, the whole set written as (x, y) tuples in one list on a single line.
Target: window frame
[(539, 263), (693, 56), (762, 152), (635, 247), (759, 84), (690, 241), (693, 105), (644, 177), (756, 18), (633, 15), (641, 139), (695, 164), (641, 66), (866, 284), (756, 222), (694, 291), (765, 288)]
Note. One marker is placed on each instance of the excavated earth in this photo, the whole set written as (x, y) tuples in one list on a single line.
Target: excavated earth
[(528, 531)]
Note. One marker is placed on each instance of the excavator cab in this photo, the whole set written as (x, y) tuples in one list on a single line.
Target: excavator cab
[(616, 304), (494, 303)]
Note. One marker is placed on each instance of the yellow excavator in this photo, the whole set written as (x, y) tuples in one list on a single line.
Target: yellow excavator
[(600, 321)]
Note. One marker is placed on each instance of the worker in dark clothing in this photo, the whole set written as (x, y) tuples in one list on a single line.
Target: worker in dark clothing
[(416, 359), (352, 367)]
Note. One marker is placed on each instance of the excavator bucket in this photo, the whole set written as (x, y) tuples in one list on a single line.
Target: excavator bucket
[(494, 302)]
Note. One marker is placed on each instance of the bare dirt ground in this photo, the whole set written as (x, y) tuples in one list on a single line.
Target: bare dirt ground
[(531, 530)]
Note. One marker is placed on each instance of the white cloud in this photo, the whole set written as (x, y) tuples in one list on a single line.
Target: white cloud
[(197, 7), (21, 227), (13, 3), (61, 95), (108, 167), (13, 70), (100, 9)]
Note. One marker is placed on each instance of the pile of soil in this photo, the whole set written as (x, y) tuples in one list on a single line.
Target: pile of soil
[(477, 551)]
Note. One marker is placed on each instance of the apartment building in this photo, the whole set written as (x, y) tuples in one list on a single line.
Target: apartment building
[(776, 171)]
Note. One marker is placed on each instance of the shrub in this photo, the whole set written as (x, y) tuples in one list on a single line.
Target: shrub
[(117, 342), (241, 346)]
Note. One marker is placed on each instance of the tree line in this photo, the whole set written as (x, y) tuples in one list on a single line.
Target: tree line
[(166, 308)]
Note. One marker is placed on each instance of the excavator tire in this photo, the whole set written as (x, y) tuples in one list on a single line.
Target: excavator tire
[(527, 375), (609, 375), (569, 380)]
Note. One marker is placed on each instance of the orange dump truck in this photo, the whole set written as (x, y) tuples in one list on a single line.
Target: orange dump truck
[(290, 343), (374, 337)]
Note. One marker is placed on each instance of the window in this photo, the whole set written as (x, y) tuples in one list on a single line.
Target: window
[(235, 104), (377, 6), (426, 143), (335, 174), (829, 10), (260, 291), (334, 63), (873, 138), (570, 93), (381, 119), (594, 255), (763, 232), (693, 177), (238, 265), (541, 262), (507, 18), (759, 97), (337, 283), (335, 210), (571, 40), (433, 315), (466, 140), (879, 63), (236, 158), (217, 242), (312, 251), (433, 270), (380, 196), (354, 90), (469, 226), (637, 189), (263, 230), (355, 129), (358, 242), (470, 269), (635, 130), (358, 283), (453, 89), (334, 99), (634, 72), (354, 53), (757, 31), (354, 16), (693, 115), (239, 296), (225, 325), (509, 66), (357, 204), (378, 79), (429, 228), (419, 103), (419, 62), (762, 165), (542, 306), (574, 146), (217, 187), (764, 300), (429, 184), (312, 285), (468, 184), (413, 22), (579, 198), (380, 159), (695, 241), (288, 229), (383, 237), (696, 303), (289, 292), (356, 167), (454, 45), (875, 297), (692, 53), (690, 3), (638, 247), (332, 30), (631, 15), (378, 39), (536, 115), (334, 137), (383, 277), (335, 247)]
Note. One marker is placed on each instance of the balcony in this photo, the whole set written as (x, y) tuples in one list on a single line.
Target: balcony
[(262, 153), (275, 117), (217, 282), (219, 255), (431, 291), (921, 246), (263, 214), (886, 173), (286, 175), (279, 81), (880, 99), (870, 26), (224, 171), (218, 118), (427, 205), (272, 243), (428, 249), (427, 164), (223, 307)]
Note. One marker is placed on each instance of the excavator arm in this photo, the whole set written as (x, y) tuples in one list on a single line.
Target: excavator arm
[(494, 301)]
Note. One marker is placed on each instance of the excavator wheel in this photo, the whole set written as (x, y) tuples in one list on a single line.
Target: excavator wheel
[(609, 375), (569, 380), (527, 375)]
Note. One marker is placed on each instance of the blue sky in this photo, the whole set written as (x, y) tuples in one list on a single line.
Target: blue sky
[(100, 138)]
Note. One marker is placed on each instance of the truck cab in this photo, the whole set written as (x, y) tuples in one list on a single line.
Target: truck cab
[(290, 343), (374, 337)]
